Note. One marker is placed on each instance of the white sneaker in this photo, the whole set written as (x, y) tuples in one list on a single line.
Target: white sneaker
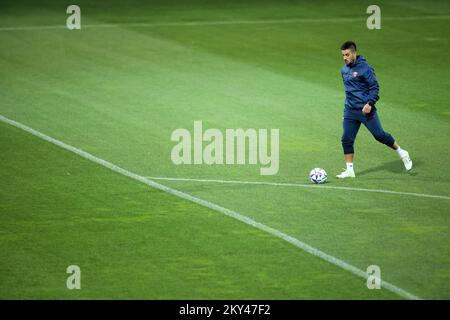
[(406, 160), (346, 174)]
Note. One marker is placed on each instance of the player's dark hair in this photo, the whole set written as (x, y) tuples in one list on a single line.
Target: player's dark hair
[(348, 45)]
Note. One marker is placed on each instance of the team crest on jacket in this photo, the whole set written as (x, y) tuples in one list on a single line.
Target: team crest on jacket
[(355, 74)]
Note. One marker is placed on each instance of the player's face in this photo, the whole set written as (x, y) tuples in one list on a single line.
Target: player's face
[(349, 56)]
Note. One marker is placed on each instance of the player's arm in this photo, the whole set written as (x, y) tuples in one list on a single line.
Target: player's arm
[(374, 88)]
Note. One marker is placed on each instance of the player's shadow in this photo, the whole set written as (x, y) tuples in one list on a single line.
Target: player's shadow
[(393, 167)]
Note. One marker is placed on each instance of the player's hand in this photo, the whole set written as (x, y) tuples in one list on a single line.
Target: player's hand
[(366, 109)]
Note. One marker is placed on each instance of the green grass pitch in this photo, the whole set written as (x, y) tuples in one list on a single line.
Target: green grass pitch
[(137, 70)]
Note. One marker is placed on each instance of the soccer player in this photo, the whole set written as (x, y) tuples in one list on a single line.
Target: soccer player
[(361, 95)]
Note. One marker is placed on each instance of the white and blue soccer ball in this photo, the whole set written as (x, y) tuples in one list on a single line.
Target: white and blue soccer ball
[(318, 175)]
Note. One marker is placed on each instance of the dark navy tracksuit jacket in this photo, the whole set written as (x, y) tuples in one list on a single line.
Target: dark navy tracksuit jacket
[(361, 87)]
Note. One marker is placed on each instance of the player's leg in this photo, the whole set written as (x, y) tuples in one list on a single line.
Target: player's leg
[(373, 123), (349, 132)]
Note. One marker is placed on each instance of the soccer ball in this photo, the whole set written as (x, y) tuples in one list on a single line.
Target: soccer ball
[(318, 175)]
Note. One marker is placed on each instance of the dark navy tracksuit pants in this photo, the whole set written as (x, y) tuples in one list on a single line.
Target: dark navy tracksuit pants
[(352, 121)]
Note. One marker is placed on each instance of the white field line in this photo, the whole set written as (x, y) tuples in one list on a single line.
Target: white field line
[(221, 22), (233, 214), (298, 185)]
